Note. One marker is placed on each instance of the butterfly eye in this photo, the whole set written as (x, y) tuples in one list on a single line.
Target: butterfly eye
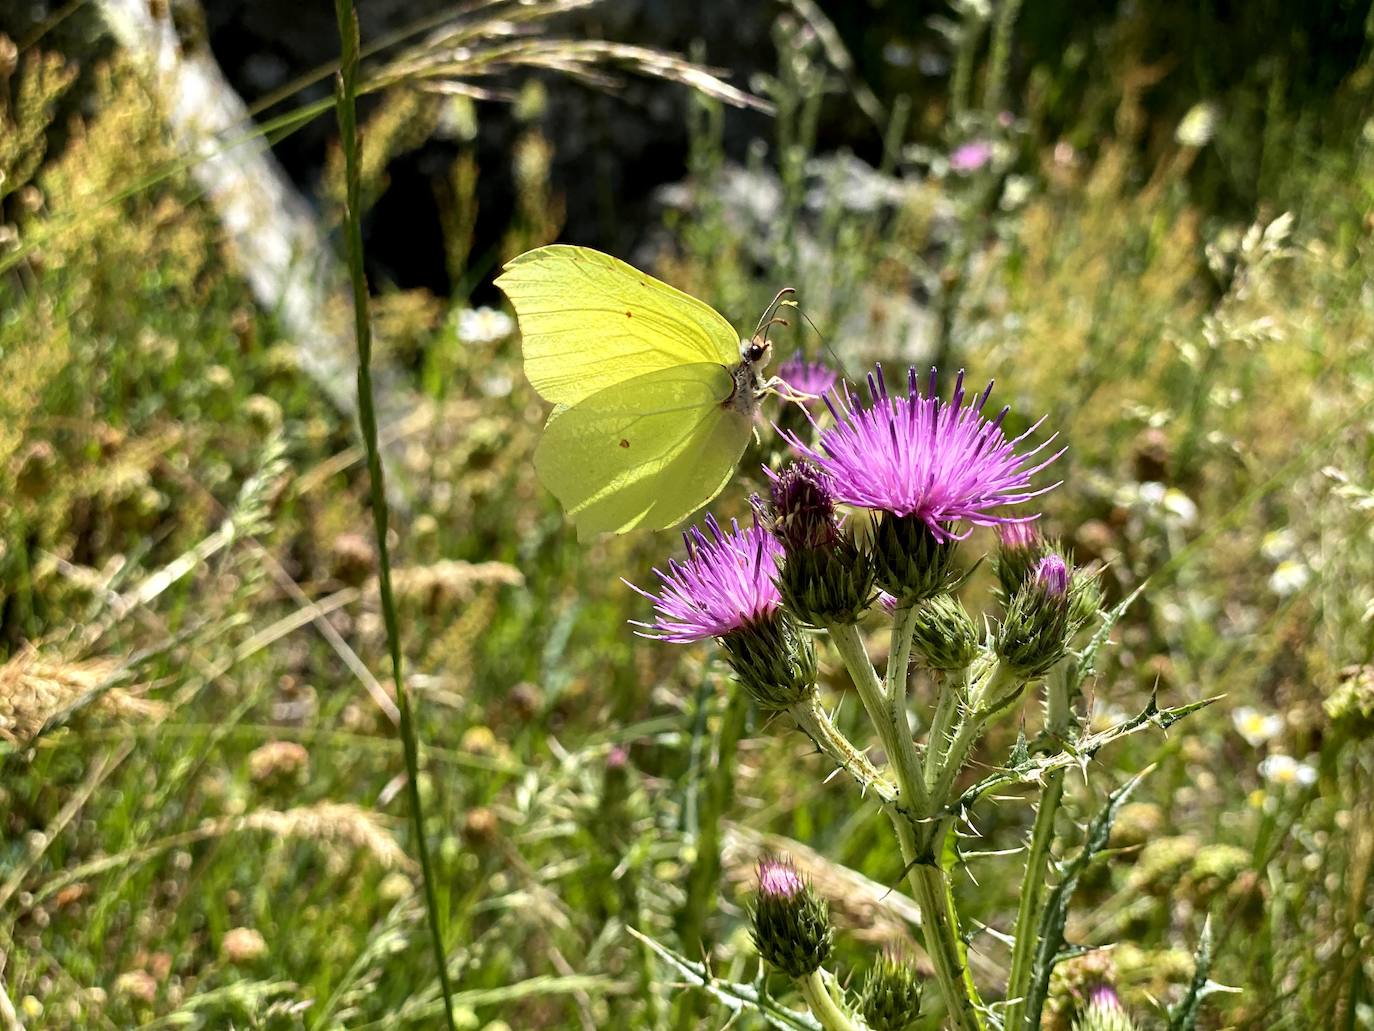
[(755, 350)]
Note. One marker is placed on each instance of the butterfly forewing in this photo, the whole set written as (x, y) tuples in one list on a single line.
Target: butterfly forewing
[(589, 321)]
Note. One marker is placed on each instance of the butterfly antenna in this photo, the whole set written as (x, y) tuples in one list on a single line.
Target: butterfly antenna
[(825, 343), (766, 319)]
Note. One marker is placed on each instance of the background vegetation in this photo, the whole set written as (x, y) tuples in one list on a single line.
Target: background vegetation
[(1167, 249)]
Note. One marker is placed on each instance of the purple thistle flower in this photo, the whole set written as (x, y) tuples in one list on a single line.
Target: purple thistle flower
[(725, 583), (779, 879), (1018, 536), (807, 377), (1052, 576), (940, 462), (970, 156), (888, 602), (1104, 997)]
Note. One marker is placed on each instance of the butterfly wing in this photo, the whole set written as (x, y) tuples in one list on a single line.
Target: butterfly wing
[(646, 452), (589, 321)]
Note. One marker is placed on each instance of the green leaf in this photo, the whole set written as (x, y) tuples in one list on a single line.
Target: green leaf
[(1183, 1017), (733, 995), (1050, 933)]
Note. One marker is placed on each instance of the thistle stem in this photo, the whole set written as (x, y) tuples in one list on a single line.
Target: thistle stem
[(823, 1005), (367, 417), (1032, 900), (948, 954), (1058, 716), (904, 758), (921, 841), (812, 718), (938, 740), (911, 791)]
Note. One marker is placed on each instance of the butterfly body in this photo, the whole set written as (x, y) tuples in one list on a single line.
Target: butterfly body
[(654, 396)]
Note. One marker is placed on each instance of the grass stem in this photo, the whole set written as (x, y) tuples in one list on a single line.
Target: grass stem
[(367, 417)]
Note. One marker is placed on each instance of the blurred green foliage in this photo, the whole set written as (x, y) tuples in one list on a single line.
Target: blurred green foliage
[(183, 524)]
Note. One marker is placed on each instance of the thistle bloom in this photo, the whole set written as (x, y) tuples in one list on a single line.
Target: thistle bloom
[(939, 462), (807, 377), (725, 584)]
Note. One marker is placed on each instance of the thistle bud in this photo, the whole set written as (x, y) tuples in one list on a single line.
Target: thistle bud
[(891, 999), (823, 578), (773, 659), (1034, 635), (1103, 1013), (1019, 548), (912, 563), (1085, 598), (791, 923), (944, 636)]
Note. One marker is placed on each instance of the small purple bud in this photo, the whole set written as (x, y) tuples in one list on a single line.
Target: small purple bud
[(791, 922), (779, 879), (1052, 576), (1104, 997), (617, 758), (888, 602), (803, 508)]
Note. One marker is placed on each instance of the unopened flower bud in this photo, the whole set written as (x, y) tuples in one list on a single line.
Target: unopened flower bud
[(773, 659), (944, 636), (1085, 598), (912, 563), (823, 577), (891, 999), (1019, 548), (1034, 635), (791, 922), (1103, 1013)]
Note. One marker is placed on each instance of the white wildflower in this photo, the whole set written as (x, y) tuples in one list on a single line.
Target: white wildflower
[(1255, 726), (1289, 577), (484, 325), (1284, 770), (1278, 545)]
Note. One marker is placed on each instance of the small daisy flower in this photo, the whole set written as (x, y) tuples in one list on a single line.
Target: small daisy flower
[(807, 377), (725, 584), (1289, 577), (484, 325), (915, 455), (1284, 771), (1256, 727)]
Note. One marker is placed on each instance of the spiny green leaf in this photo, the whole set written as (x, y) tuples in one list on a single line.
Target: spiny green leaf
[(1050, 934), (733, 995)]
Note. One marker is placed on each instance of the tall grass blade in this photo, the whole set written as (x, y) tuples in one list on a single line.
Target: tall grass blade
[(367, 417)]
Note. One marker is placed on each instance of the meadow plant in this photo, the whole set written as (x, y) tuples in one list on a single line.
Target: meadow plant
[(921, 472)]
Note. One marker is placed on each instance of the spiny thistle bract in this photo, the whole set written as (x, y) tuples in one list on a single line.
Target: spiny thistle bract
[(1103, 1013), (891, 998), (1035, 633), (944, 635), (791, 923), (824, 580)]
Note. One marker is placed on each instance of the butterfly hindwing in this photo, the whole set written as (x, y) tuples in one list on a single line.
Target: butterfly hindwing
[(646, 452)]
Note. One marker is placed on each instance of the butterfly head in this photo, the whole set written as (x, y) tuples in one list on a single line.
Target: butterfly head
[(756, 351)]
